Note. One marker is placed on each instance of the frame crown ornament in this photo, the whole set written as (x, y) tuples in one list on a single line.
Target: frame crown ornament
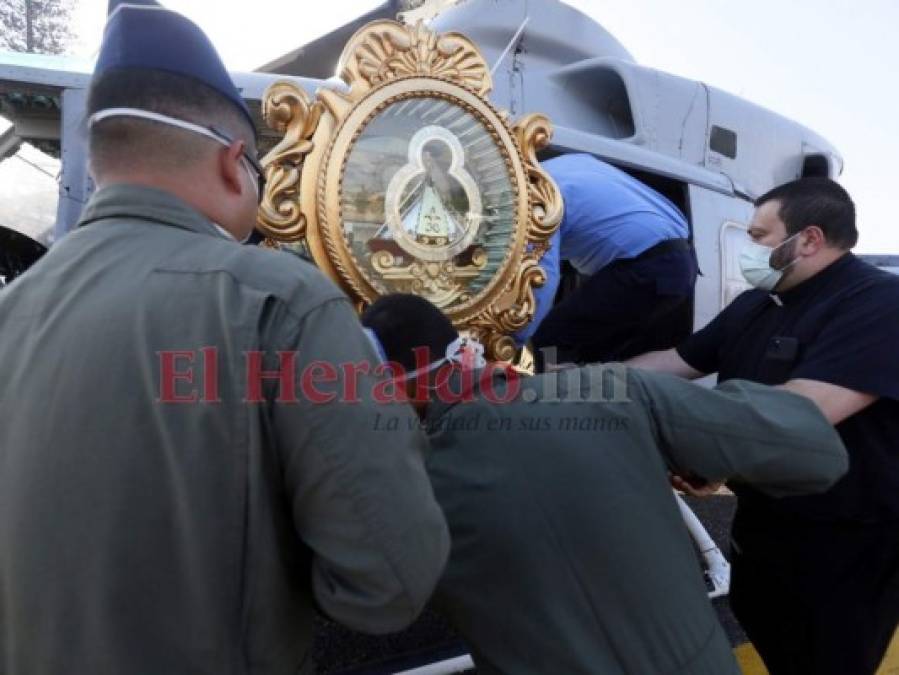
[(465, 227), (386, 50)]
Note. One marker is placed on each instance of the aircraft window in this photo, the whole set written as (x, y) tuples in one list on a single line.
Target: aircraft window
[(815, 165), (723, 141), (732, 240)]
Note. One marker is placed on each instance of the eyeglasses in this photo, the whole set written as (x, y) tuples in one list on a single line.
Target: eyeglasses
[(215, 134)]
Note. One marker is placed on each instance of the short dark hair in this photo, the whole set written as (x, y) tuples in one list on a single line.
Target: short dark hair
[(816, 201), (161, 92), (404, 323)]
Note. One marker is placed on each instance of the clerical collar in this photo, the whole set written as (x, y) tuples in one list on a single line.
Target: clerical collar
[(813, 284)]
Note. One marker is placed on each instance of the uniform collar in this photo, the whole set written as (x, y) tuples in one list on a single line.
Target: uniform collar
[(467, 388), (811, 286), (125, 200), (437, 407)]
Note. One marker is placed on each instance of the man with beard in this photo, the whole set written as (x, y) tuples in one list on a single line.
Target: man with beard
[(815, 579)]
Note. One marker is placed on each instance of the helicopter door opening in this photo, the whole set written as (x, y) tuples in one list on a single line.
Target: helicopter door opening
[(681, 325), (17, 253)]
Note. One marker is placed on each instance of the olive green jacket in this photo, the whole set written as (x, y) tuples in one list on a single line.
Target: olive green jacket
[(139, 535), (569, 553)]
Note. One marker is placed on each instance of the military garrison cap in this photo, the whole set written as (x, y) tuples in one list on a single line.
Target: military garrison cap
[(145, 35)]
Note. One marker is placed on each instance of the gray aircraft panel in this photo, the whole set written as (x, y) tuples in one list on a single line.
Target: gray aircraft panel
[(568, 66), (566, 139)]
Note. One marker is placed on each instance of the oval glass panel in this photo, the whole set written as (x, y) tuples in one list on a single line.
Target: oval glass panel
[(428, 202)]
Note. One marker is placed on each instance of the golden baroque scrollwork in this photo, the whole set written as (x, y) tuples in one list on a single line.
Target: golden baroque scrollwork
[(387, 50), (439, 279), (287, 109), (511, 313), (383, 62), (533, 133)]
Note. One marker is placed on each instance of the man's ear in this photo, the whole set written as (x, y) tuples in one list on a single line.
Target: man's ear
[(229, 167), (814, 240)]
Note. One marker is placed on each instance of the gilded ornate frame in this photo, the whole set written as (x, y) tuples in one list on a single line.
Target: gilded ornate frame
[(382, 63)]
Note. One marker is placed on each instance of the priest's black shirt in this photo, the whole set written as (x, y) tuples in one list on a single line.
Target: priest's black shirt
[(841, 327)]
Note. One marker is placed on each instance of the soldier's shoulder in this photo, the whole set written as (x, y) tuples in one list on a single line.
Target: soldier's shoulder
[(280, 273)]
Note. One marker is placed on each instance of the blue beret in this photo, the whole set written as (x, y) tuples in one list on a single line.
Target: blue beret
[(147, 36)]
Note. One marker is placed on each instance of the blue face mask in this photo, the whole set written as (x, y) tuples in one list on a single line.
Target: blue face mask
[(755, 264)]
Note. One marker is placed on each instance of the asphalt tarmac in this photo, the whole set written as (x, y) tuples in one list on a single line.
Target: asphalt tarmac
[(337, 650)]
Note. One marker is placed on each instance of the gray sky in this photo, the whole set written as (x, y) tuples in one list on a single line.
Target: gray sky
[(830, 64)]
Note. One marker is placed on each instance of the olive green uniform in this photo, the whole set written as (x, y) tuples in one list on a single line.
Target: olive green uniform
[(144, 536), (569, 553)]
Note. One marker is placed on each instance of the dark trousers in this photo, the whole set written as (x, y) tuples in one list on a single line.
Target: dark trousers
[(816, 599), (627, 308)]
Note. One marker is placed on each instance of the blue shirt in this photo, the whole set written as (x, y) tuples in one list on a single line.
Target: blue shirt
[(609, 215)]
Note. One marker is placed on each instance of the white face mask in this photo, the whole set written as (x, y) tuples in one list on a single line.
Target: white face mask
[(464, 351), (755, 263), (227, 235)]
